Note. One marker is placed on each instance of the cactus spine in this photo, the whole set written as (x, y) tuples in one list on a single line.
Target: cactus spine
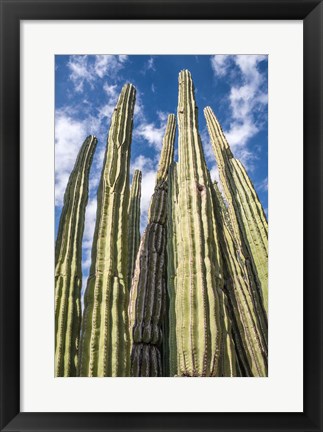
[(246, 212), (147, 297), (68, 257), (134, 223), (198, 298), (105, 331), (245, 329)]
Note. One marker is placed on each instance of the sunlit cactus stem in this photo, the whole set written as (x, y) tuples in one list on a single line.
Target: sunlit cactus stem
[(247, 215), (134, 223), (198, 283), (148, 291), (68, 258), (105, 345)]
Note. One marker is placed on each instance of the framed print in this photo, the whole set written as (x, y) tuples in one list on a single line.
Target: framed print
[(161, 215)]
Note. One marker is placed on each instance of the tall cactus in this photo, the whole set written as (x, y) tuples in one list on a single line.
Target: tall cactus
[(134, 222), (105, 343), (247, 332), (68, 257), (172, 264), (198, 297), (246, 212), (147, 297)]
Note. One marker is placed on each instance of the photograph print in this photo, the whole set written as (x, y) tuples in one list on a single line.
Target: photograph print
[(161, 210)]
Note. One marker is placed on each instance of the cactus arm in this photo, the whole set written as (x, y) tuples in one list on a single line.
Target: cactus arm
[(105, 333), (68, 257), (147, 296), (199, 279), (247, 215), (134, 223)]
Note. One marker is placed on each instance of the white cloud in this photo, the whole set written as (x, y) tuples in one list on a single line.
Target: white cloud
[(87, 69), (122, 58), (220, 64), (151, 133), (142, 163), (149, 65), (214, 172), (139, 107), (245, 101), (69, 136), (162, 116), (262, 186), (109, 64), (207, 146), (240, 132), (80, 72), (248, 65), (111, 90), (148, 169), (90, 217)]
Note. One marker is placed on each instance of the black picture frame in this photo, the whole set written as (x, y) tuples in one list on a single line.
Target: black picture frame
[(12, 12)]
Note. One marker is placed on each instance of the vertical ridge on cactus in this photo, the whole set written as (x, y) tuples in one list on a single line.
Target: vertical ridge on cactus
[(68, 259), (198, 298), (104, 348), (242, 319), (147, 296), (134, 222), (172, 263), (246, 212)]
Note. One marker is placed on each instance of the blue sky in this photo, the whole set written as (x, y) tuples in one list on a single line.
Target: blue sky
[(86, 91)]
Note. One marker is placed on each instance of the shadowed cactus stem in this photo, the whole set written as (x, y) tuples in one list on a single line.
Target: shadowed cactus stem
[(246, 332), (134, 222), (68, 258), (172, 264), (105, 344), (247, 215), (148, 292)]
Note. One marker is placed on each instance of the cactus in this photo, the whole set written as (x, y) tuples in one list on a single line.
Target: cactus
[(189, 299), (172, 263), (198, 282), (247, 332), (147, 296), (246, 212), (134, 223), (68, 257), (104, 348)]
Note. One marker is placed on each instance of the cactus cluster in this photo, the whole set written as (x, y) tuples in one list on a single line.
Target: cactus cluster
[(187, 299)]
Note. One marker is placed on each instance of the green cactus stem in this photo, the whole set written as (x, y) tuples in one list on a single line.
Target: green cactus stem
[(68, 258), (246, 330), (198, 282), (105, 344), (172, 264), (134, 223), (246, 212), (148, 292)]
